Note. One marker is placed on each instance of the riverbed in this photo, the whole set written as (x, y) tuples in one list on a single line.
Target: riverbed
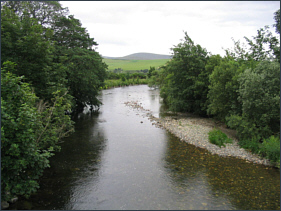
[(118, 159)]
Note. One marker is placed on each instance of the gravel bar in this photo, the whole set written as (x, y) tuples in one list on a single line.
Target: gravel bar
[(194, 130)]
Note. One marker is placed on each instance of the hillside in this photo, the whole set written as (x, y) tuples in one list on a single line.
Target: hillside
[(134, 65), (141, 56)]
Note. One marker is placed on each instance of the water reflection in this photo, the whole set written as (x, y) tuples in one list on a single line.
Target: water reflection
[(117, 159), (211, 182)]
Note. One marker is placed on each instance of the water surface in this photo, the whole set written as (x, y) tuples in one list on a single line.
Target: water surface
[(117, 159)]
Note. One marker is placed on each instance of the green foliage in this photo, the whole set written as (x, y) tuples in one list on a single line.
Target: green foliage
[(218, 137), (52, 54), (29, 134), (151, 70), (245, 129), (223, 87), (51, 50), (120, 82), (201, 86), (251, 144), (277, 21), (259, 95), (271, 148), (178, 88), (26, 43), (264, 46), (130, 65), (85, 74)]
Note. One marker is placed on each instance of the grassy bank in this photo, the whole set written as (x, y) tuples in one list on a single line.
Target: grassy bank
[(119, 82)]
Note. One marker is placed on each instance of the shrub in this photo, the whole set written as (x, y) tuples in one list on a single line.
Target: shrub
[(30, 131), (271, 149), (219, 138), (252, 145)]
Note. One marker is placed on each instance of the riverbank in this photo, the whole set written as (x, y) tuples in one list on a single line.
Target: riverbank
[(194, 130)]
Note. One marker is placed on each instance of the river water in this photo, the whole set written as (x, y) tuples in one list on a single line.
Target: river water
[(117, 159)]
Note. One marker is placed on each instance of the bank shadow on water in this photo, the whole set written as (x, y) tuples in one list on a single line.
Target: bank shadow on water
[(117, 159), (79, 158), (220, 183)]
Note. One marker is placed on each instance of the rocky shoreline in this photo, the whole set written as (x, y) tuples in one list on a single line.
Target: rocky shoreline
[(194, 130)]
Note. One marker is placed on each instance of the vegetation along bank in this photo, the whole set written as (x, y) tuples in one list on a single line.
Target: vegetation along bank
[(241, 89), (46, 54)]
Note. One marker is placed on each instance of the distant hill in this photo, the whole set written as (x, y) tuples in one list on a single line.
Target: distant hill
[(141, 56)]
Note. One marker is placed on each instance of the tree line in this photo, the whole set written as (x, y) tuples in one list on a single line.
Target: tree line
[(241, 89), (49, 66)]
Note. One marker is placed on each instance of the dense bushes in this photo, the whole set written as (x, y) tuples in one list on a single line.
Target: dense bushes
[(30, 131), (179, 88), (242, 89), (219, 138), (49, 67), (259, 96), (271, 149)]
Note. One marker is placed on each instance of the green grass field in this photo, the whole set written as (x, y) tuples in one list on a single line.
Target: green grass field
[(127, 65)]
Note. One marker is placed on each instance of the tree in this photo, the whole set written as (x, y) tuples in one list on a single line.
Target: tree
[(85, 70), (259, 95), (277, 21), (52, 51), (223, 87), (263, 46), (85, 75), (30, 130), (150, 71), (23, 42), (45, 12), (188, 62), (69, 33)]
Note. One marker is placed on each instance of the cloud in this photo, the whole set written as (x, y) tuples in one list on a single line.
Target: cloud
[(124, 27)]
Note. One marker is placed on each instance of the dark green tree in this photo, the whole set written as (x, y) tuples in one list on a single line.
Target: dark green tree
[(259, 95), (30, 130), (222, 96), (24, 43), (85, 70), (183, 70), (277, 21)]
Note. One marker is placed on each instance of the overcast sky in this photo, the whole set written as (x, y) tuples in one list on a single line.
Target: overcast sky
[(125, 27)]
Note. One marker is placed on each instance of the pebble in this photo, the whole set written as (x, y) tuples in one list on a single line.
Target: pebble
[(194, 130), (4, 205)]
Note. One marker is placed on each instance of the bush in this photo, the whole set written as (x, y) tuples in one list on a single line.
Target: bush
[(252, 145), (271, 149), (222, 96), (30, 131), (219, 138)]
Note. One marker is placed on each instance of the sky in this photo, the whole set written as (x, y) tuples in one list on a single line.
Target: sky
[(124, 27)]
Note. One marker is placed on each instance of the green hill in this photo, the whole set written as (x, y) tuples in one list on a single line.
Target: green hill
[(142, 56), (134, 65)]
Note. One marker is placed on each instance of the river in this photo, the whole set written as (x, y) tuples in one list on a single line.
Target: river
[(117, 159)]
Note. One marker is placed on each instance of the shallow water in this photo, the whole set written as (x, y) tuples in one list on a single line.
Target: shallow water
[(117, 159)]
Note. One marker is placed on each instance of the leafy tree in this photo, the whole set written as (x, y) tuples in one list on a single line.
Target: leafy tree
[(29, 133), (69, 33), (201, 86), (223, 87), (85, 74), (150, 71), (188, 62), (263, 46), (24, 43), (277, 21), (45, 12), (259, 94)]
